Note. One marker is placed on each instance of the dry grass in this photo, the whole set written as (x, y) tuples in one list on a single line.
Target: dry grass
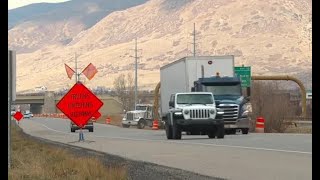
[(299, 130), (34, 160), (272, 106)]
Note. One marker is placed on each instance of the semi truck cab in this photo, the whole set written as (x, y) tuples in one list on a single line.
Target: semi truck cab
[(227, 92)]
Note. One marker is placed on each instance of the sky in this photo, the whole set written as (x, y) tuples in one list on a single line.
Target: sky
[(18, 3)]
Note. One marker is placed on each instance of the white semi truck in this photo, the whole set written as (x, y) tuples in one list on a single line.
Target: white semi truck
[(141, 117), (199, 74)]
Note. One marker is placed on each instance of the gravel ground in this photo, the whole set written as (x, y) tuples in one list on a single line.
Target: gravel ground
[(137, 170)]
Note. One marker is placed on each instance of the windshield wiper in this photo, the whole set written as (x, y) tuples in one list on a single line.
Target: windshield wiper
[(189, 104), (228, 95)]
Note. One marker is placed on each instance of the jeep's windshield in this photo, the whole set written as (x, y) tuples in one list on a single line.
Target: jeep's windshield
[(194, 99)]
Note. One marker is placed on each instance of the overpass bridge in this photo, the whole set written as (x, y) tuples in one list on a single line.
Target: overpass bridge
[(46, 103)]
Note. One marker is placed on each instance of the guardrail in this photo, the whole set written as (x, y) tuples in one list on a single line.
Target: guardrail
[(298, 121), (51, 115)]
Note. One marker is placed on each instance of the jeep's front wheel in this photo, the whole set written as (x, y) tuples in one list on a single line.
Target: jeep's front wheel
[(212, 134), (220, 131), (176, 132), (168, 131)]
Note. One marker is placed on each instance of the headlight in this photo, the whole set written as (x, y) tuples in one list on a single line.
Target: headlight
[(212, 111), (220, 111), (186, 111), (246, 109)]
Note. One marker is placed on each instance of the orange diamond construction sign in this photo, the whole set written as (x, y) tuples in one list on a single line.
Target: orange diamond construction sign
[(79, 104)]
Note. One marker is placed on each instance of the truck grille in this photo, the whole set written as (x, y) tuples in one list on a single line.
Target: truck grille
[(230, 112), (199, 113), (130, 116)]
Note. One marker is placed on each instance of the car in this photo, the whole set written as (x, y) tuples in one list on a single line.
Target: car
[(27, 115), (89, 126)]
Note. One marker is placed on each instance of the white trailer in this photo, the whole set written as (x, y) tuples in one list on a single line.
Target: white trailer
[(180, 75)]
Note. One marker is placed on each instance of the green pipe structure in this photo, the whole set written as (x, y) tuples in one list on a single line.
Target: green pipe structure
[(288, 78), (156, 102)]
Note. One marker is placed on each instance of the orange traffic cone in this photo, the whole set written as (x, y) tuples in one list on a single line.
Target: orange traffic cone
[(260, 125), (108, 120), (155, 125)]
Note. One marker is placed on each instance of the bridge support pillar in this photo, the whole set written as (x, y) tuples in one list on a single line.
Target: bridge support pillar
[(49, 102), (36, 108)]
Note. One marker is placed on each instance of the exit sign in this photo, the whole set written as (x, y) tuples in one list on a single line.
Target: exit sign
[(245, 75)]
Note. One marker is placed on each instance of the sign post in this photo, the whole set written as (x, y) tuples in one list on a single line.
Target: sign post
[(89, 72), (11, 95), (245, 75)]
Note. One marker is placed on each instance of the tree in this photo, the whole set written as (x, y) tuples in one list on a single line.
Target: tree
[(272, 103), (124, 89)]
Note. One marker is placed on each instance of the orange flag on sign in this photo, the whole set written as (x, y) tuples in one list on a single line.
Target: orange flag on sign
[(90, 71), (70, 71)]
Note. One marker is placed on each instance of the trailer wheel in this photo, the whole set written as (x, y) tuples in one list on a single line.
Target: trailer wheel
[(245, 130)]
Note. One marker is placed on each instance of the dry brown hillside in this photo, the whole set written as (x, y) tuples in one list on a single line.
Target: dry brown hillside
[(272, 36)]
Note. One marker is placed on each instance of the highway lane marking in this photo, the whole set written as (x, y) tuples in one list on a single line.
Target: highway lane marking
[(204, 144), (187, 143), (259, 134)]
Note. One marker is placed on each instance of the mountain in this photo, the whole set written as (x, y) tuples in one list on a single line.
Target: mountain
[(272, 36), (42, 24)]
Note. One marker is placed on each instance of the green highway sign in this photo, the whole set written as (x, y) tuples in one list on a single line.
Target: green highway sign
[(245, 75)]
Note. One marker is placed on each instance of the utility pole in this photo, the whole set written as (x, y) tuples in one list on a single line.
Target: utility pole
[(310, 31), (136, 75), (194, 39), (136, 57), (76, 69)]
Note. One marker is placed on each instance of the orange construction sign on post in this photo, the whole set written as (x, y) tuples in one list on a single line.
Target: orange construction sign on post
[(90, 71), (69, 71)]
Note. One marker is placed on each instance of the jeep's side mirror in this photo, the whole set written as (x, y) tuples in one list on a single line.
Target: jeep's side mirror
[(171, 104)]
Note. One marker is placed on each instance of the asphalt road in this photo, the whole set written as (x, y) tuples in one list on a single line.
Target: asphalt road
[(239, 157)]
